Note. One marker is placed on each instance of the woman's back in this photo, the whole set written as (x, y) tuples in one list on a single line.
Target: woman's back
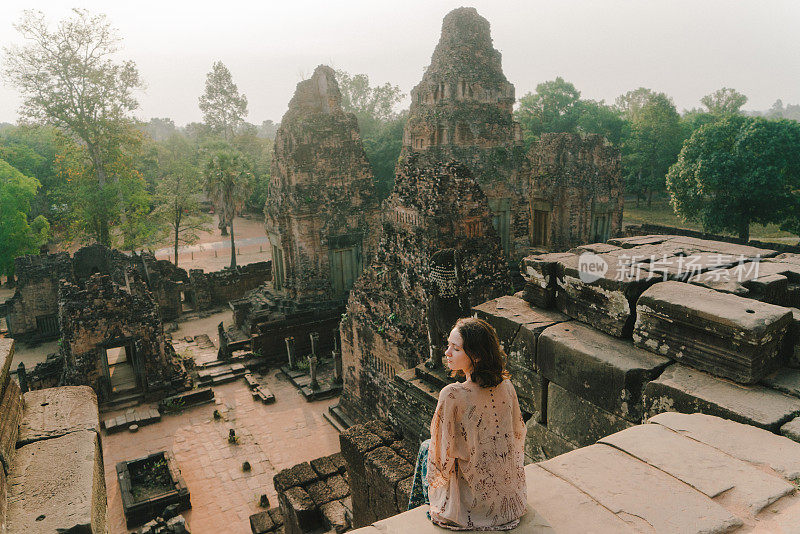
[(475, 463)]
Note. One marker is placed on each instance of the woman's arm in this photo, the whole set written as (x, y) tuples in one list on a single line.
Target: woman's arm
[(448, 439)]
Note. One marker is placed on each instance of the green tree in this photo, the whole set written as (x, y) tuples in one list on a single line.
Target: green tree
[(17, 235), (178, 192), (69, 78), (554, 107), (381, 128), (723, 101), (224, 109), (737, 171), (32, 151), (257, 151), (226, 182), (599, 118), (652, 142)]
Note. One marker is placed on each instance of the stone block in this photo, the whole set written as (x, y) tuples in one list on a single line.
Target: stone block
[(577, 420), (338, 487), (607, 300), (276, 516), (723, 334), (57, 485), (792, 429), (319, 492), (704, 468), (382, 429), (303, 473), (566, 507), (403, 492), (300, 514), (741, 441), (355, 442), (384, 468), (261, 523), (541, 444), (401, 448), (11, 408), (791, 345), (539, 272), (686, 390), (284, 479), (645, 497), (6, 355), (53, 412), (335, 516), (3, 497), (606, 371), (325, 466)]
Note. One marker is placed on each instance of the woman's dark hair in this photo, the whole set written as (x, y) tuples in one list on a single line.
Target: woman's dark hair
[(484, 351)]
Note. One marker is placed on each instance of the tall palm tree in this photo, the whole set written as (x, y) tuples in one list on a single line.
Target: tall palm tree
[(227, 180)]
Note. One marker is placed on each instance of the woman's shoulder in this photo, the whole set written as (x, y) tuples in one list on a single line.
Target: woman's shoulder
[(453, 391)]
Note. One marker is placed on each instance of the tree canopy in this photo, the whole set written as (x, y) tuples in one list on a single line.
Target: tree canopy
[(17, 235), (737, 171), (224, 109), (725, 100), (69, 78)]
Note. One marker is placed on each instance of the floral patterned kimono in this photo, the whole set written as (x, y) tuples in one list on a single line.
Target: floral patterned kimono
[(475, 474)]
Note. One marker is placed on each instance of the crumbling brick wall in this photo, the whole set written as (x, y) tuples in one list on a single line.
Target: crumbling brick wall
[(102, 314), (37, 293)]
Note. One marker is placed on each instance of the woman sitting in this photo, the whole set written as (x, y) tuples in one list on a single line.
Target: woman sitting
[(471, 470)]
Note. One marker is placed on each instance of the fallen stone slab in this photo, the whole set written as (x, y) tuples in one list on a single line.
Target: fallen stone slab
[(577, 420), (606, 371), (686, 390), (741, 441), (635, 241), (57, 485), (539, 272), (53, 412), (603, 298), (792, 429), (646, 497), (566, 507), (705, 468), (723, 334)]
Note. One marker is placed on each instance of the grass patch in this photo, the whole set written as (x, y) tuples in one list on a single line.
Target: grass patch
[(661, 213)]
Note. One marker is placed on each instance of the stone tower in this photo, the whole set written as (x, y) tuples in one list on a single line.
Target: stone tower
[(438, 255), (462, 111), (576, 191), (322, 209)]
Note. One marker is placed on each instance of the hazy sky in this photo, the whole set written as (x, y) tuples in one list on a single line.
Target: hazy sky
[(686, 48)]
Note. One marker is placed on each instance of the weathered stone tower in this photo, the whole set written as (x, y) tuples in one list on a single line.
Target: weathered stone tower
[(462, 111), (576, 191), (438, 256), (321, 214)]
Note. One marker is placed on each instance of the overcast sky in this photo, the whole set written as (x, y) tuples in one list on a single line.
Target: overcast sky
[(686, 48)]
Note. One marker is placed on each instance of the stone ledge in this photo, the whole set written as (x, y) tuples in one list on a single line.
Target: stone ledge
[(54, 412), (57, 485)]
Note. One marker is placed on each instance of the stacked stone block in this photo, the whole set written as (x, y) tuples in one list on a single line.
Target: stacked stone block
[(380, 468), (314, 495)]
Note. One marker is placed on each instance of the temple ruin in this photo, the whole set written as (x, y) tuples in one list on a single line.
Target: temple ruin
[(322, 207)]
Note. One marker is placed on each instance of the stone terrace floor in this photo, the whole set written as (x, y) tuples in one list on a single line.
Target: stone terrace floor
[(272, 437)]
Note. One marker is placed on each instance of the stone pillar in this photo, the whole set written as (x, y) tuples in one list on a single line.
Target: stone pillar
[(22, 378), (224, 352), (312, 366), (290, 350), (314, 342), (337, 366)]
